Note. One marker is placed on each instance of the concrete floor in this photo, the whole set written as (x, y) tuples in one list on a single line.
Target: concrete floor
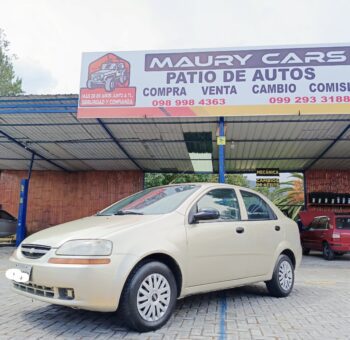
[(318, 308)]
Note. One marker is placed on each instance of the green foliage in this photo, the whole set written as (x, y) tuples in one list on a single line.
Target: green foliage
[(290, 196), (156, 179), (10, 85)]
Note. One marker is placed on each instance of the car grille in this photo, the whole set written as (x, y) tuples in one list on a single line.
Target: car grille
[(34, 251), (35, 289)]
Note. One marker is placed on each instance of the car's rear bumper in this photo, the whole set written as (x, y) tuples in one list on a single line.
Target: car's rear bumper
[(340, 247)]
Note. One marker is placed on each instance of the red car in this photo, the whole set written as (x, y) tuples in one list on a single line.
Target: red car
[(328, 232)]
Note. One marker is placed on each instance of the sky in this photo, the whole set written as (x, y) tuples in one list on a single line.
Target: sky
[(49, 36)]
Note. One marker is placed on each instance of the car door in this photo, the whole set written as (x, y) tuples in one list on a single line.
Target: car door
[(264, 232), (214, 246), (309, 235), (323, 232)]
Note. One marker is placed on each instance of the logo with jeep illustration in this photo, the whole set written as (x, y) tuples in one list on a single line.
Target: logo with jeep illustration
[(107, 83)]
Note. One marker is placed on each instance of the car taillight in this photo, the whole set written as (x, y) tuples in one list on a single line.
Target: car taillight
[(336, 235)]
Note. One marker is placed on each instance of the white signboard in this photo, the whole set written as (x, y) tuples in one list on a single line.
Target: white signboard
[(216, 82)]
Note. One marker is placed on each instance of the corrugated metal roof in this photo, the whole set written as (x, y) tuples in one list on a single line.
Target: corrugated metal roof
[(48, 126)]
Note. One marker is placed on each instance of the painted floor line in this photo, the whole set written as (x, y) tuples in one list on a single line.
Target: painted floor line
[(223, 308)]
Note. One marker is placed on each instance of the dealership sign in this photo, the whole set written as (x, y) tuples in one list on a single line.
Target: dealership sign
[(213, 82)]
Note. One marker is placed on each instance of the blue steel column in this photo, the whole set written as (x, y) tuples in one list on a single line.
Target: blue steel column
[(22, 210), (221, 151)]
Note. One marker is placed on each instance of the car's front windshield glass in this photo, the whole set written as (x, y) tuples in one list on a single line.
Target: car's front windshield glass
[(152, 201), (108, 66)]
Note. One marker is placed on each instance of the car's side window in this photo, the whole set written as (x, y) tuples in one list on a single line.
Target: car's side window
[(257, 208), (320, 223), (224, 201), (314, 224)]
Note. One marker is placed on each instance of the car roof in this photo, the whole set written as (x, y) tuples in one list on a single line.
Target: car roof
[(207, 185)]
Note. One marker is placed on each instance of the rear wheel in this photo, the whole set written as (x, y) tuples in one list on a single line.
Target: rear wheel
[(282, 280), (89, 84), (149, 297), (328, 253)]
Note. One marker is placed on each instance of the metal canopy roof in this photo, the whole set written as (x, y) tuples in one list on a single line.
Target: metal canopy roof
[(48, 126)]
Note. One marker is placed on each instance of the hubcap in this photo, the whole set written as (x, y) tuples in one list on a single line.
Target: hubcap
[(285, 275), (153, 297)]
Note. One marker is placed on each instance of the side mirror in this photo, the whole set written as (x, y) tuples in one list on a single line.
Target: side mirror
[(206, 214)]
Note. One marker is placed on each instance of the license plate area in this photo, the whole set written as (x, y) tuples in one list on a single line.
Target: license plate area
[(24, 268)]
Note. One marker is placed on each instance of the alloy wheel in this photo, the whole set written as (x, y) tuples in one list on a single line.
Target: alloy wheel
[(153, 297), (285, 275)]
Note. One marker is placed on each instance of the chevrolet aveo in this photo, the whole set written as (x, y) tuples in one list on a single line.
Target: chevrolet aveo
[(142, 253)]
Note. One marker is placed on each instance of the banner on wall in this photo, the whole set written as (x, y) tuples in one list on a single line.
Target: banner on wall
[(215, 82)]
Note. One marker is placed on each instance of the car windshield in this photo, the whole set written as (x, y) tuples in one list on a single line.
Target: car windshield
[(343, 223), (109, 66), (152, 201)]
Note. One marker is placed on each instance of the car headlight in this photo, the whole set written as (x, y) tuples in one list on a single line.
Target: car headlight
[(86, 248)]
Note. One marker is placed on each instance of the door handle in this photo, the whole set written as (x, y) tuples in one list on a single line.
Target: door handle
[(277, 228), (240, 230)]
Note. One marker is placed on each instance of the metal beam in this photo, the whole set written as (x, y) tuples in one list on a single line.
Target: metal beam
[(305, 191), (215, 172), (31, 166), (114, 139), (222, 151), (157, 141), (16, 111), (174, 159), (151, 121), (32, 151), (328, 148), (29, 100), (28, 106)]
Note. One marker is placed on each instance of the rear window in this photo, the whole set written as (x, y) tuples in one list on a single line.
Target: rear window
[(342, 223), (257, 208)]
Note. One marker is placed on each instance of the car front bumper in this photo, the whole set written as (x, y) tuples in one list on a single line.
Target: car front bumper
[(93, 287)]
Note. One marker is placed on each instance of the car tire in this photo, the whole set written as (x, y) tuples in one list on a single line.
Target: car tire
[(143, 306), (110, 84), (123, 81), (328, 253), (89, 84), (282, 281), (306, 251), (339, 253)]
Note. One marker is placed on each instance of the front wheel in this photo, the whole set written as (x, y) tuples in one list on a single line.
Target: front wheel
[(110, 84), (282, 280), (149, 297), (328, 253)]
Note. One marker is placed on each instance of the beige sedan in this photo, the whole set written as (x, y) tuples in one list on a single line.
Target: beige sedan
[(164, 243)]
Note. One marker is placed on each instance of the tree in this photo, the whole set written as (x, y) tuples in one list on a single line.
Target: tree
[(290, 196), (156, 179), (10, 85)]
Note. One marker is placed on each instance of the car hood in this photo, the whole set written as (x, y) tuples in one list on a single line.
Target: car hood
[(88, 228)]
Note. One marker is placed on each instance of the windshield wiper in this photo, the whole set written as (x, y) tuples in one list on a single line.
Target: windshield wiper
[(128, 212)]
